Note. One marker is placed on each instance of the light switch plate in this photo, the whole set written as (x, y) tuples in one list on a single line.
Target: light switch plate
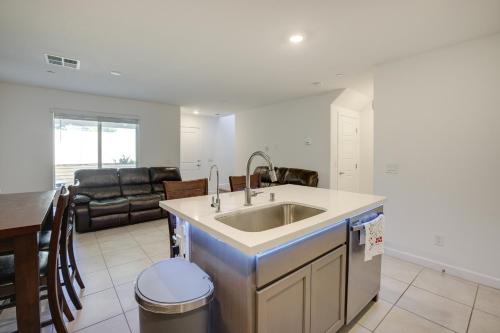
[(392, 169)]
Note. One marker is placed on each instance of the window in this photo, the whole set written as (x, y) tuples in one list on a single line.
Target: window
[(86, 143)]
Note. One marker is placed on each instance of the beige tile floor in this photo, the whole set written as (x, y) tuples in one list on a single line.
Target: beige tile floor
[(412, 299)]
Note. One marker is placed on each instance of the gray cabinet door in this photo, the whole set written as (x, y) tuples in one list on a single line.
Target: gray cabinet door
[(284, 306), (328, 292)]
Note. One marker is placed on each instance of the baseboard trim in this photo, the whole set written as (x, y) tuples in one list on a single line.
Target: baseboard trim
[(464, 273)]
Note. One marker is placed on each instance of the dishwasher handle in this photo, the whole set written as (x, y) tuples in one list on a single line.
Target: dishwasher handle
[(358, 227), (362, 222)]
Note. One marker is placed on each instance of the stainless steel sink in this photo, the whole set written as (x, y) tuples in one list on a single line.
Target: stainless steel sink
[(269, 217)]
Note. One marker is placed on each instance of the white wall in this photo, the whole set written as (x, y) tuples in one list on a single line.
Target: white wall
[(225, 141), (26, 137), (366, 150), (281, 129), (217, 142), (437, 117)]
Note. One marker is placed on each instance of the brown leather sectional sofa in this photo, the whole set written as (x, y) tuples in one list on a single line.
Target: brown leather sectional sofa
[(107, 198), (287, 176), (114, 197)]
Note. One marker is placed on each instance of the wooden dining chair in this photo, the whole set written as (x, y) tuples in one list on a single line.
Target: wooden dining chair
[(49, 269), (238, 183), (179, 190), (67, 265)]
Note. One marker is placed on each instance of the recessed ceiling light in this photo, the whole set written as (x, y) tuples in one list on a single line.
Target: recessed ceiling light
[(296, 39), (316, 83), (340, 74), (115, 73), (196, 111)]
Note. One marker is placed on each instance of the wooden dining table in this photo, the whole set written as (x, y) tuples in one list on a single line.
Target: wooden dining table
[(22, 216)]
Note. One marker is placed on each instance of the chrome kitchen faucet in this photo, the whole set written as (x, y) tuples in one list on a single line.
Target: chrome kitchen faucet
[(272, 174)]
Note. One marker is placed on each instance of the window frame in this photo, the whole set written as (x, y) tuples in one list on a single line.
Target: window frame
[(99, 118)]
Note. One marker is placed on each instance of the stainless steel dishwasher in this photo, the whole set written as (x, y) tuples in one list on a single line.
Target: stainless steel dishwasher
[(363, 277)]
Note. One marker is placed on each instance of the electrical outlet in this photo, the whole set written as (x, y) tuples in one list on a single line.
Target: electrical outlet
[(439, 240)]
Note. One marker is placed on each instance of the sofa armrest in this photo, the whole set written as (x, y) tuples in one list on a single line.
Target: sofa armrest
[(80, 208), (81, 199), (82, 218)]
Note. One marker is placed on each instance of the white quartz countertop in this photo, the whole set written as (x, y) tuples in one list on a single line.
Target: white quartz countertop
[(339, 205)]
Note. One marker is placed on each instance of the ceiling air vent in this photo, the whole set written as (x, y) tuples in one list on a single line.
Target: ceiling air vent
[(61, 61)]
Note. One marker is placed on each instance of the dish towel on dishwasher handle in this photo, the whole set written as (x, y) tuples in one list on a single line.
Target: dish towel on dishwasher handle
[(374, 237)]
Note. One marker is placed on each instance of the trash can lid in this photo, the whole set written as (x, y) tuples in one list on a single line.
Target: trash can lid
[(173, 286)]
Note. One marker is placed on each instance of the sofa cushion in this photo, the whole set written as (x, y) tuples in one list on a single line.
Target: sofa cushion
[(143, 202), (146, 215), (160, 174), (107, 221), (134, 181), (100, 193), (263, 171), (108, 207), (301, 177), (97, 177), (7, 267), (98, 184), (288, 176)]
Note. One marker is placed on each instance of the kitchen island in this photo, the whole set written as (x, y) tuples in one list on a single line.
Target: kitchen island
[(277, 266)]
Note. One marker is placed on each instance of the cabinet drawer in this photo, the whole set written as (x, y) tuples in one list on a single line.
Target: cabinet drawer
[(278, 262)]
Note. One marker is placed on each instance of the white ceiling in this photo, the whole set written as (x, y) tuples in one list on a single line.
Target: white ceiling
[(225, 55)]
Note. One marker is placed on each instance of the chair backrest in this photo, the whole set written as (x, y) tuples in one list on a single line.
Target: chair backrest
[(53, 290), (238, 183), (185, 189), (60, 218), (178, 190)]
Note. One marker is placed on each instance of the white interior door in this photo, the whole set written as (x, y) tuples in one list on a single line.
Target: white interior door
[(191, 153), (348, 151)]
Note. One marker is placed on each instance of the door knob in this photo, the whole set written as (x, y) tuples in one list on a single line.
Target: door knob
[(341, 173)]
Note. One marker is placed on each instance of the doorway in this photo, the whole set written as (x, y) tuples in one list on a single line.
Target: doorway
[(191, 160), (207, 140), (348, 150)]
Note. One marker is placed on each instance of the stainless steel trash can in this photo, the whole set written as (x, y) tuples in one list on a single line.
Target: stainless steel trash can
[(174, 296)]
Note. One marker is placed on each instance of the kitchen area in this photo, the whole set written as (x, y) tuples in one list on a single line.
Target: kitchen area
[(286, 259)]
